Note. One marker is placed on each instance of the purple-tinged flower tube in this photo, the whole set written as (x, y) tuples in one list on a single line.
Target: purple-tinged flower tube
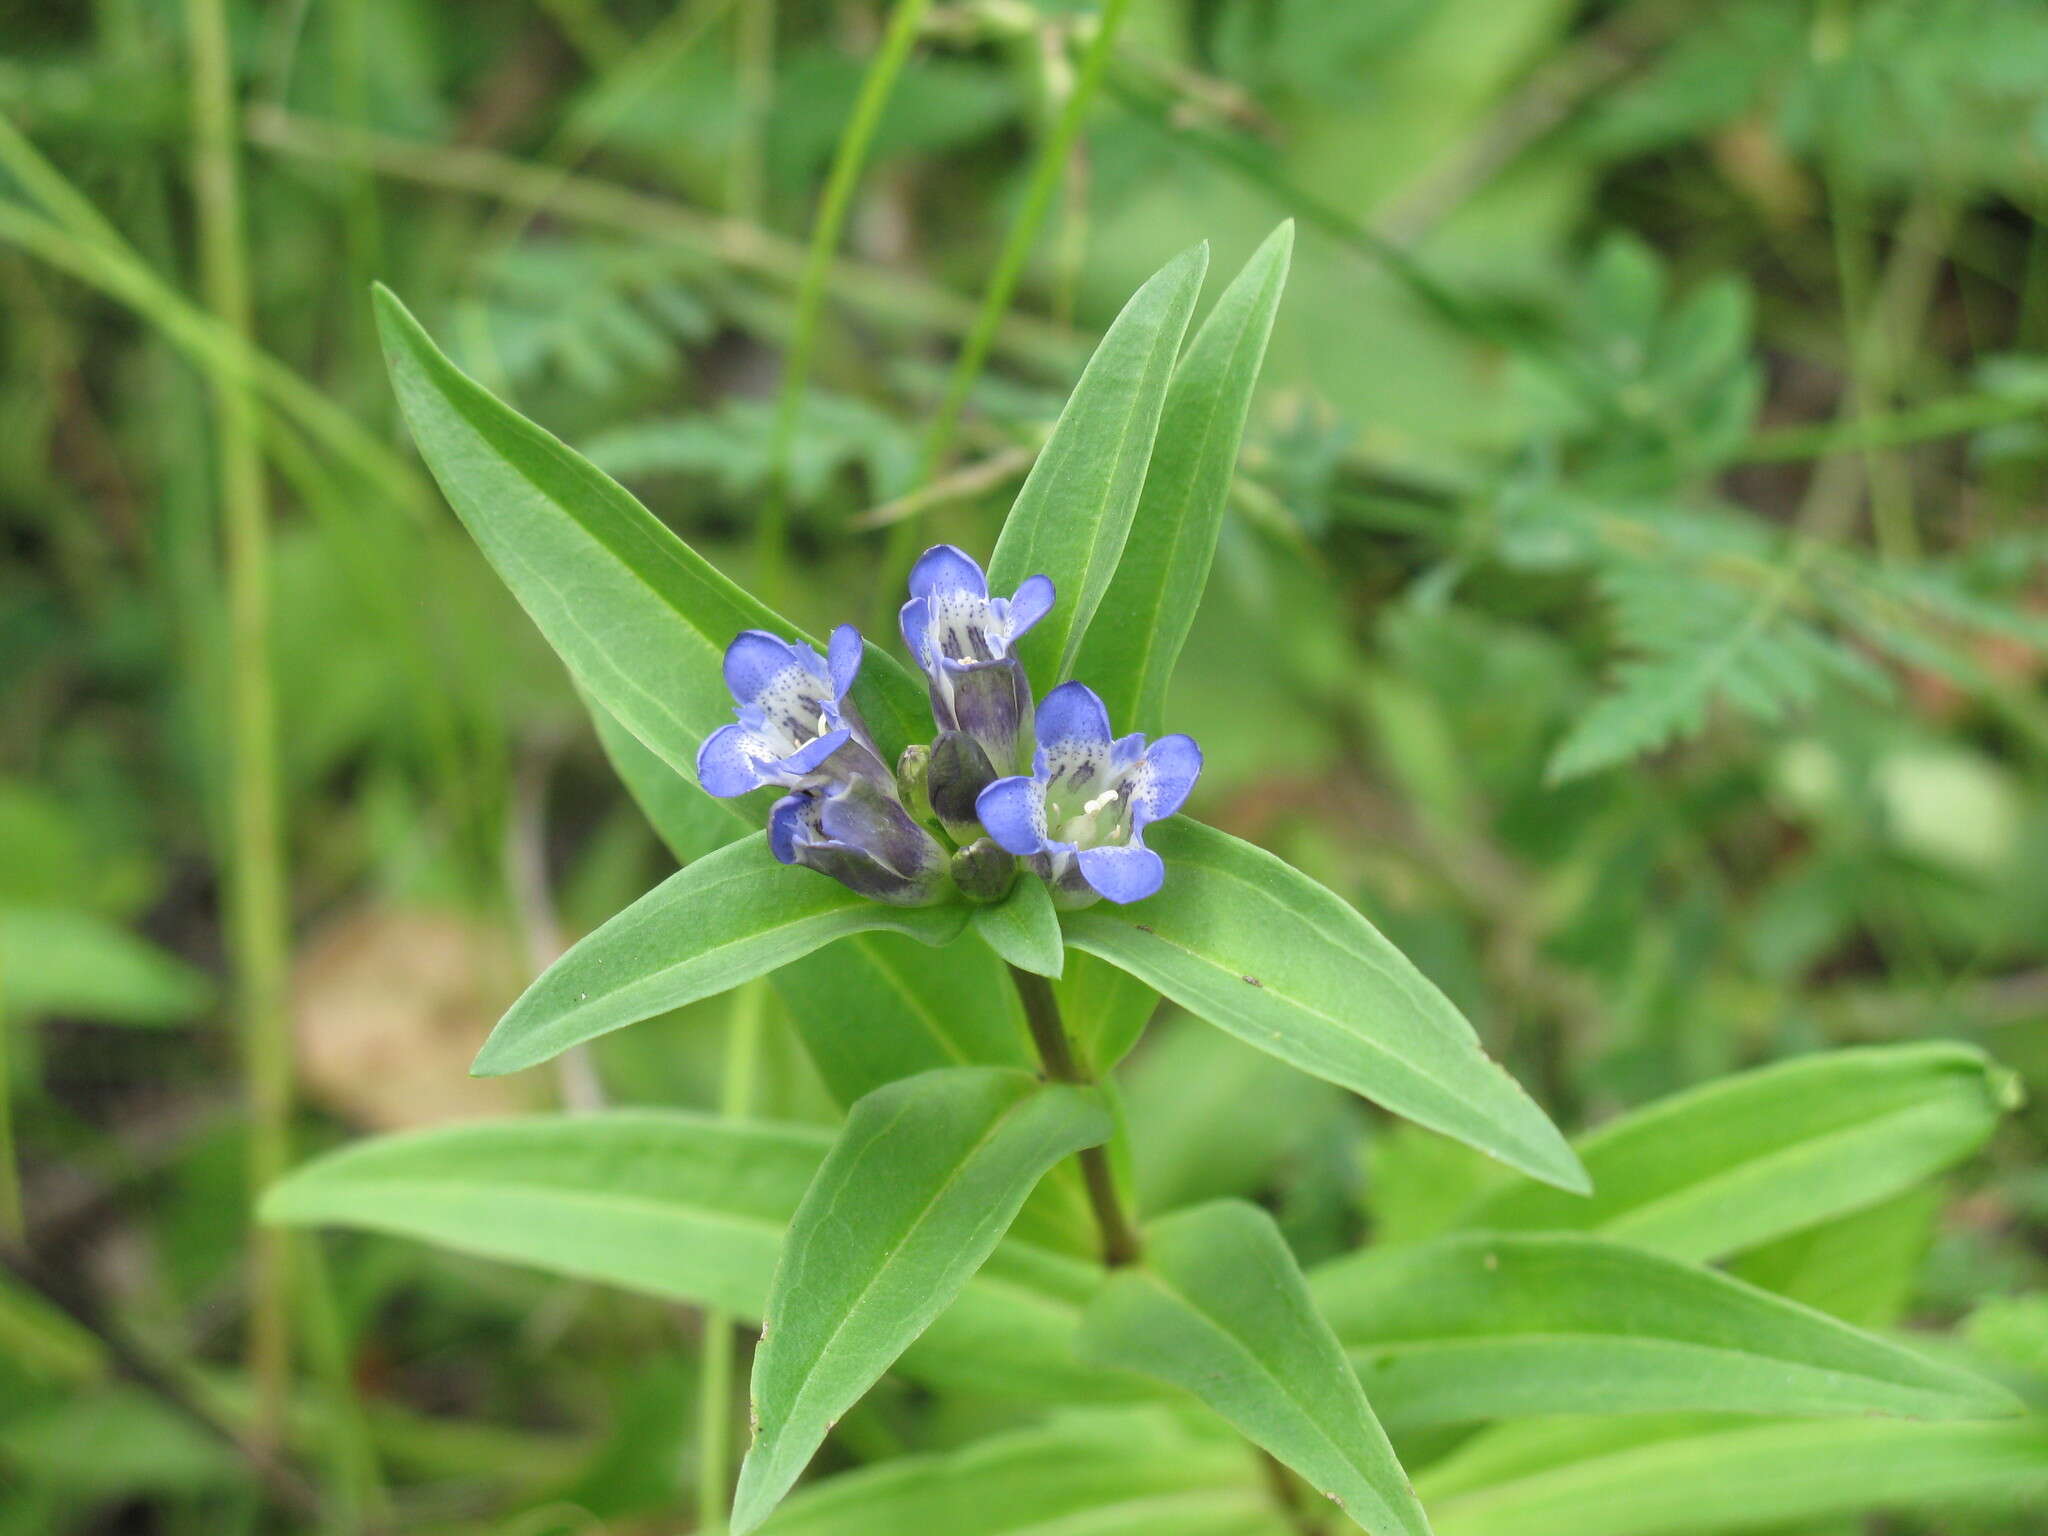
[(797, 728), (1080, 817), (858, 833), (961, 638)]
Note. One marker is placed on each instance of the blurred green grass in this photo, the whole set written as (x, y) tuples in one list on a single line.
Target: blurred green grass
[(1633, 598)]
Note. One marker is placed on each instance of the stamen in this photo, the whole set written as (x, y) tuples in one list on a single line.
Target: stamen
[(1105, 798)]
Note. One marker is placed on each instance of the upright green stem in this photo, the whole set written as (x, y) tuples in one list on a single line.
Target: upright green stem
[(256, 883), (1120, 1244), (1047, 172), (714, 1384), (837, 198), (13, 1226), (354, 1493)]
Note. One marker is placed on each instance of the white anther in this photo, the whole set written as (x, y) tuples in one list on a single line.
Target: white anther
[(1105, 798)]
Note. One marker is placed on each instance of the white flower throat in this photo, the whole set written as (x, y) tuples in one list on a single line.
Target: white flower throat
[(787, 702), (1099, 821)]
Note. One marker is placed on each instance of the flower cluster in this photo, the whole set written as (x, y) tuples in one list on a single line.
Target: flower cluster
[(958, 814)]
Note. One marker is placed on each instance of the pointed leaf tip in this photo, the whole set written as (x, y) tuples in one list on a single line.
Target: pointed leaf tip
[(1328, 993)]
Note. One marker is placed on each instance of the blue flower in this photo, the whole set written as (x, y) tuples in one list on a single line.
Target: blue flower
[(858, 833), (1081, 815), (961, 638), (797, 728)]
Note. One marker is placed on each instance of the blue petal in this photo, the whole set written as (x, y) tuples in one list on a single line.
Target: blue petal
[(915, 618), (842, 658), (945, 569), (1161, 782), (811, 756), (1032, 602), (1012, 811), (1073, 714), (725, 766), (790, 824), (756, 660), (1128, 873), (1073, 737)]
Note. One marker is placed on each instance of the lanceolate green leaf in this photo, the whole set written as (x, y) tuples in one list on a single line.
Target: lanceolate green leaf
[(921, 1185), (724, 919), (1105, 1473), (639, 617), (1256, 947), (678, 1205), (1723, 1167), (1219, 1307), (1024, 929), (660, 1201), (1075, 510), (1574, 1477), (1158, 583), (1498, 1325)]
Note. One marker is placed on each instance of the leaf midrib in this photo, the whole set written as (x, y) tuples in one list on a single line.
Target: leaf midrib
[(1308, 1414), (891, 1258), (1623, 1221), (1148, 657), (1348, 1031), (860, 924), (1077, 630), (607, 1201), (1331, 925), (1576, 1337), (1648, 1123)]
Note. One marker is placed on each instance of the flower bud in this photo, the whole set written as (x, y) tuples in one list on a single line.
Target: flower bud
[(959, 772), (912, 770), (983, 871)]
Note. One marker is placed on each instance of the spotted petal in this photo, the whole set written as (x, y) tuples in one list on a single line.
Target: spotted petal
[(728, 762), (1012, 811), (758, 665), (1163, 778), (1073, 739), (945, 570)]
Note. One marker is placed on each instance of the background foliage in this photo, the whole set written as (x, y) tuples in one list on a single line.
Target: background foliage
[(1631, 598)]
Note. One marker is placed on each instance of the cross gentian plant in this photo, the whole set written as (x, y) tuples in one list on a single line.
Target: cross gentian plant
[(967, 834)]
